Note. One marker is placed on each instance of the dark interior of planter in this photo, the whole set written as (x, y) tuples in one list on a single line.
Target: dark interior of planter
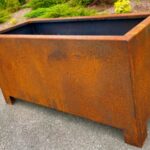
[(77, 27)]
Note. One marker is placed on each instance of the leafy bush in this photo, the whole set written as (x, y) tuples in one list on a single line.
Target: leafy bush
[(12, 5), (36, 13), (123, 6), (60, 10), (92, 2), (13, 21), (4, 16), (2, 4), (64, 10), (80, 2), (22, 2), (34, 4), (108, 1), (7, 7)]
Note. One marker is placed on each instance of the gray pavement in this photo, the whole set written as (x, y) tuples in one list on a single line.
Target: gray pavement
[(26, 126)]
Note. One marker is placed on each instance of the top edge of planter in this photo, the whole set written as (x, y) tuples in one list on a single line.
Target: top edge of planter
[(137, 29), (126, 37)]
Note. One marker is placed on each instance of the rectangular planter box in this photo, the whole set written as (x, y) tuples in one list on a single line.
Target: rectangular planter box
[(94, 67)]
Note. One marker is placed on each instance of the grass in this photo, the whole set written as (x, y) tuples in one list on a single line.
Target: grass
[(80, 2), (4, 16), (7, 7), (35, 4), (49, 8), (46, 8), (37, 13), (10, 5), (61, 10)]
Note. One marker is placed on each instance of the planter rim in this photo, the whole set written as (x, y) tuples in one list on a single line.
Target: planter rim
[(126, 37), (137, 29)]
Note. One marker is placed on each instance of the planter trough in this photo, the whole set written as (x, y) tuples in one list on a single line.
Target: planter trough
[(94, 67)]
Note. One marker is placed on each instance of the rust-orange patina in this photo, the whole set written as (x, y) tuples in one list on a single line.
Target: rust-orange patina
[(105, 78)]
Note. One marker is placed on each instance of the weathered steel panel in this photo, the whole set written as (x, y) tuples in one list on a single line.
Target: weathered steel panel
[(102, 78)]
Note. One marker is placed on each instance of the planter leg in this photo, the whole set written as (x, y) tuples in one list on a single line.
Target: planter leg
[(8, 99), (136, 135)]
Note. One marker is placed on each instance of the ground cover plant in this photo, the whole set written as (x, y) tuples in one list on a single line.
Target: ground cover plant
[(4, 16), (35, 4), (61, 8), (9, 6)]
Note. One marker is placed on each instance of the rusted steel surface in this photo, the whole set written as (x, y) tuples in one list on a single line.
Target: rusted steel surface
[(102, 78)]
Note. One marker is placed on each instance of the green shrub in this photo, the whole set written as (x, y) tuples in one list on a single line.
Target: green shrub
[(123, 6), (80, 2), (4, 16), (34, 4), (60, 10), (64, 10), (37, 13), (12, 5), (2, 4), (22, 2), (13, 21)]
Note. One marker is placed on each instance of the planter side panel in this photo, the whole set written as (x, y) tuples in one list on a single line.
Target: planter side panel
[(139, 47), (140, 59), (89, 78)]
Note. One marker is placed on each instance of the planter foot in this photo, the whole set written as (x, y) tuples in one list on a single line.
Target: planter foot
[(8, 99), (135, 136)]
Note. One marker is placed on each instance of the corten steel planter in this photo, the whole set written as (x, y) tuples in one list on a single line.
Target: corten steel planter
[(94, 67)]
